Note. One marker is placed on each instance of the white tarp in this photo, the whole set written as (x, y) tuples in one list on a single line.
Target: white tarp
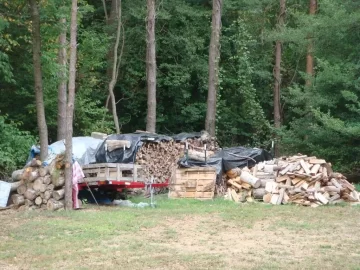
[(84, 150)]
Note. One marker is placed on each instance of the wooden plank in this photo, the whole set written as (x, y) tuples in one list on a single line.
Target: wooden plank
[(264, 181), (274, 198), (246, 185), (317, 161), (286, 198), (177, 188), (296, 180), (270, 187), (282, 178), (199, 195), (305, 186), (305, 166), (281, 196), (314, 170), (336, 183), (235, 184), (299, 184), (196, 169), (234, 195), (286, 169), (321, 198)]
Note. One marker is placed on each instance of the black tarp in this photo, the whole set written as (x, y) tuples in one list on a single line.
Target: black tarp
[(129, 155), (181, 137), (214, 161), (229, 158), (239, 157)]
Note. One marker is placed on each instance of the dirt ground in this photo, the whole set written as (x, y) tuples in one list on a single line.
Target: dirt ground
[(183, 235)]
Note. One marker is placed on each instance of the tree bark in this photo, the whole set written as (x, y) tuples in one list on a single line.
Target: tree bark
[(277, 84), (151, 67), (40, 108), (214, 57), (115, 65), (111, 29), (70, 108), (61, 117), (309, 56)]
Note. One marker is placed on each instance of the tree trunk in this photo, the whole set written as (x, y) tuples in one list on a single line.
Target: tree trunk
[(309, 56), (111, 26), (151, 67), (277, 85), (70, 108), (214, 57), (115, 69), (40, 109), (61, 117)]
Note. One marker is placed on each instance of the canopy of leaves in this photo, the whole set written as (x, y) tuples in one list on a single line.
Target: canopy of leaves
[(319, 120)]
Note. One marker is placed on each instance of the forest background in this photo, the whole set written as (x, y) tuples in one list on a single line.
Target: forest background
[(320, 113)]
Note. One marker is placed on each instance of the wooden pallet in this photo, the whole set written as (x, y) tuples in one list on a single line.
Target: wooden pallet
[(112, 172), (196, 182)]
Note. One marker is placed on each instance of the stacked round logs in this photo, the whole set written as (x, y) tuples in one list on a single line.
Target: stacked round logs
[(160, 159), (40, 187)]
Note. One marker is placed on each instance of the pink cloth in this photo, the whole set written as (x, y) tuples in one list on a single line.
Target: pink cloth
[(78, 175)]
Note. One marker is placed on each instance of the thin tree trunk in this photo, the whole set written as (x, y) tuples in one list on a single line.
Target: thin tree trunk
[(111, 20), (277, 84), (105, 10), (70, 108), (151, 67), (116, 64), (61, 117), (214, 57), (40, 109), (309, 56)]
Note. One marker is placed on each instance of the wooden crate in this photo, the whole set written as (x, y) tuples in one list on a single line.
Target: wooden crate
[(112, 172), (196, 182)]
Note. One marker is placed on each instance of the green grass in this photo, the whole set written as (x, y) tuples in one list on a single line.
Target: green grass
[(182, 234)]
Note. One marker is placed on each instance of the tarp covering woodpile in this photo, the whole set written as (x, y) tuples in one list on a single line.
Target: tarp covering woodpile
[(158, 154)]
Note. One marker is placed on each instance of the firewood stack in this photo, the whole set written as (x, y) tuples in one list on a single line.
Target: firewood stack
[(160, 159), (41, 187), (299, 179)]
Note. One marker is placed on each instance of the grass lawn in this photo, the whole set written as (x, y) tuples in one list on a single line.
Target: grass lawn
[(183, 234)]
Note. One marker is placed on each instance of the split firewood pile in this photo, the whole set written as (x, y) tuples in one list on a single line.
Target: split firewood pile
[(40, 187), (160, 159), (299, 179)]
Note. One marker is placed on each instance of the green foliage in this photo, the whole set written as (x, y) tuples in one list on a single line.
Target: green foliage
[(242, 116), (14, 145), (322, 119)]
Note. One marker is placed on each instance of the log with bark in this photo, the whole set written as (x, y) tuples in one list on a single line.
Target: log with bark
[(111, 145), (53, 204), (15, 186), (58, 194), (35, 188), (17, 175), (18, 199)]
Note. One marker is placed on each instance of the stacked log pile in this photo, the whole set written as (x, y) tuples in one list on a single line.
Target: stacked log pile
[(40, 187), (160, 159), (299, 179)]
